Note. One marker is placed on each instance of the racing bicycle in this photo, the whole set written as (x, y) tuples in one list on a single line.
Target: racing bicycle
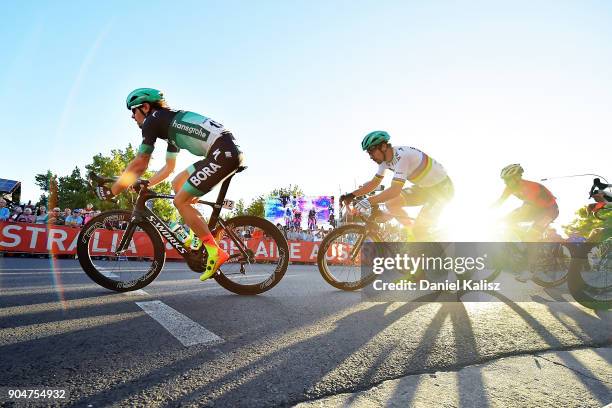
[(590, 275), (339, 257), (547, 262), (124, 250)]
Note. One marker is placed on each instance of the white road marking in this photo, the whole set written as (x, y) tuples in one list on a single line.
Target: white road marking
[(188, 332), (108, 274), (41, 273), (138, 292), (47, 269)]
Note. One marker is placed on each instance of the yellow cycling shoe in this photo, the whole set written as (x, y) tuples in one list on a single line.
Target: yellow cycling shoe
[(216, 258)]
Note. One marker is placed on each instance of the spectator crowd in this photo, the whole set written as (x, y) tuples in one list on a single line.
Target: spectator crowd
[(28, 213), (293, 233), (38, 215)]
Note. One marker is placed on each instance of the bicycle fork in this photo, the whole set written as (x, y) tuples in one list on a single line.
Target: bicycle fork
[(126, 239)]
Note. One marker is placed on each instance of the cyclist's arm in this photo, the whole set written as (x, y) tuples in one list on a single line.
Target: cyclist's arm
[(165, 171), (134, 169), (388, 194), (399, 179), (368, 187), (502, 198)]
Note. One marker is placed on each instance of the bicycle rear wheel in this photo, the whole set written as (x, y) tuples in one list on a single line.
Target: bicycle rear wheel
[(259, 255), (339, 257), (131, 269)]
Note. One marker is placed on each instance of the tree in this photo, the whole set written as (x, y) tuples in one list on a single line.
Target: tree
[(257, 207), (47, 182), (583, 224), (239, 209), (113, 165), (73, 191), (294, 191)]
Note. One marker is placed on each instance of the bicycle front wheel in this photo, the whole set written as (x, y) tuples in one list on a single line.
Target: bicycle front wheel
[(590, 275), (551, 266), (259, 255), (339, 258), (122, 271)]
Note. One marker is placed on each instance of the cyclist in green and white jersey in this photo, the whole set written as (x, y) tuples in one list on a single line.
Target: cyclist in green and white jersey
[(431, 187), (198, 134)]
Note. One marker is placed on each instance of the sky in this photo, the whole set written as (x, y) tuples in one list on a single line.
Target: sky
[(477, 85)]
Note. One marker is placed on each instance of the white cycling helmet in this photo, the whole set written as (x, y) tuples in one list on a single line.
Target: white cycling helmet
[(512, 170)]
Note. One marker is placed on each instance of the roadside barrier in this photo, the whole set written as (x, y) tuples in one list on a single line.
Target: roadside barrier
[(62, 240)]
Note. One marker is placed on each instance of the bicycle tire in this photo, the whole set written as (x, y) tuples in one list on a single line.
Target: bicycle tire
[(324, 266), (558, 279), (225, 278), (106, 277), (583, 292)]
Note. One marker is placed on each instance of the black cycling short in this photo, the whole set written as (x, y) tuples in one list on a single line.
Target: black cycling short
[(222, 160), (541, 217), (433, 199)]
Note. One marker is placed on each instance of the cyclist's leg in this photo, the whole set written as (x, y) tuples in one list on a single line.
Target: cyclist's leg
[(222, 161), (524, 213), (540, 219), (409, 197), (436, 198), (543, 220), (396, 208), (179, 181)]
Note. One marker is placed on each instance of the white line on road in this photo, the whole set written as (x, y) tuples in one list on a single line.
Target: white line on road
[(41, 273), (188, 332), (108, 274), (138, 292), (46, 269)]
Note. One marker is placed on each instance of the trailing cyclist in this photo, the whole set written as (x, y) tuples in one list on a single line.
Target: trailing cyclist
[(431, 187), (539, 205), (201, 136)]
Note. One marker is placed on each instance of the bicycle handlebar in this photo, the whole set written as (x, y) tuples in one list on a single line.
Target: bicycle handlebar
[(105, 180), (101, 180)]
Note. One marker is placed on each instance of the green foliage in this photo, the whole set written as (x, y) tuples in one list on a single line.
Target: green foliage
[(583, 224), (257, 207), (239, 209), (113, 166), (73, 191), (49, 184), (294, 191), (43, 180)]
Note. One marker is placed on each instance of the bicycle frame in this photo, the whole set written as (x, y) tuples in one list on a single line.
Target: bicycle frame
[(141, 211)]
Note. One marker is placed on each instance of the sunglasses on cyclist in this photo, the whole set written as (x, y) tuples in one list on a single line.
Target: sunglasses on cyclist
[(134, 108), (372, 149)]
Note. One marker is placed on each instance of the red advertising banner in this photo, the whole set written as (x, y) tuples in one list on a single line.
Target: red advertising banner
[(42, 239)]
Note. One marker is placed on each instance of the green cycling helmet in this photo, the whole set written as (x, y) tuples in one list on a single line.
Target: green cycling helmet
[(374, 138), (141, 95)]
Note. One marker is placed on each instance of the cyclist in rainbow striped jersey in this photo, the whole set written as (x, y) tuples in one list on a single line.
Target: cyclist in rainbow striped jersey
[(430, 186)]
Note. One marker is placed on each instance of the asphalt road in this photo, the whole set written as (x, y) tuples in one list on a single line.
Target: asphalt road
[(300, 342)]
